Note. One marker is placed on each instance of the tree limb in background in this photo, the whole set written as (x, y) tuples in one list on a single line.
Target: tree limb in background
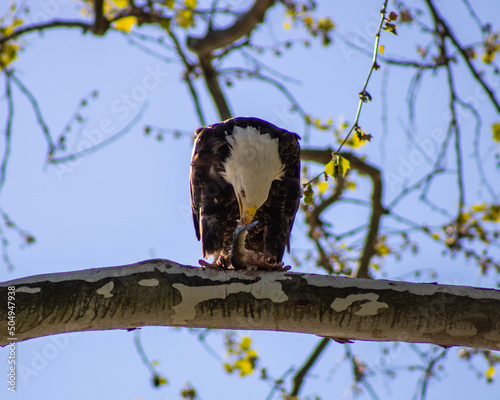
[(218, 38), (204, 46), (212, 81), (8, 127), (188, 69), (298, 379), (84, 26), (93, 148), (447, 32), (323, 156), (101, 24)]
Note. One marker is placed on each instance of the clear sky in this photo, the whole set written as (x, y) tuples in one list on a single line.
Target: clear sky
[(130, 201)]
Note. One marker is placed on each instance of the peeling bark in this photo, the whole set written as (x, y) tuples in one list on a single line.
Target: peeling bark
[(164, 293)]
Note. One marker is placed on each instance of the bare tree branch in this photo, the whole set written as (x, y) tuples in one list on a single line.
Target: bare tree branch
[(99, 27), (38, 112), (85, 26), (377, 211), (429, 372), (244, 25), (204, 46), (91, 149), (298, 379), (448, 33), (323, 156), (101, 24), (8, 127), (363, 95), (441, 32), (164, 293), (188, 68), (213, 86), (274, 82)]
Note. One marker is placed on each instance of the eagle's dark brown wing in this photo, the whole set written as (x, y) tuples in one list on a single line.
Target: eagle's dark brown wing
[(213, 203)]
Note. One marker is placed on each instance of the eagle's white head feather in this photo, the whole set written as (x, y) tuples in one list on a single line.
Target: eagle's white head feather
[(252, 166)]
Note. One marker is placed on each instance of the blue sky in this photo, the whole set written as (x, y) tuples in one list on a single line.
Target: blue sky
[(130, 201)]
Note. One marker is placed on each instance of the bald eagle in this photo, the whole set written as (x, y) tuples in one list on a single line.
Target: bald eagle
[(245, 192)]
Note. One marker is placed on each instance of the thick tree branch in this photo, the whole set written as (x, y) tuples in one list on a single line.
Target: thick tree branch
[(161, 292), (101, 24), (244, 25), (320, 156), (213, 86), (204, 46)]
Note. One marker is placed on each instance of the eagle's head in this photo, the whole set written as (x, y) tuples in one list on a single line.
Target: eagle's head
[(251, 167)]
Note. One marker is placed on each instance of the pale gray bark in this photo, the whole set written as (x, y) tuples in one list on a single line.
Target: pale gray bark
[(162, 292)]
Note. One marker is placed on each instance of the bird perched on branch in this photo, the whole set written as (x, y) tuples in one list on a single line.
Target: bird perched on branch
[(245, 192)]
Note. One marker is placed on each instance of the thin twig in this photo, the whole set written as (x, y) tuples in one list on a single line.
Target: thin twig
[(104, 143), (454, 127), (448, 33), (85, 26), (473, 14), (373, 67), (458, 151), (8, 127), (278, 383), (298, 379), (134, 42), (38, 112), (188, 66), (142, 353), (282, 88), (477, 155), (417, 185), (429, 373)]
